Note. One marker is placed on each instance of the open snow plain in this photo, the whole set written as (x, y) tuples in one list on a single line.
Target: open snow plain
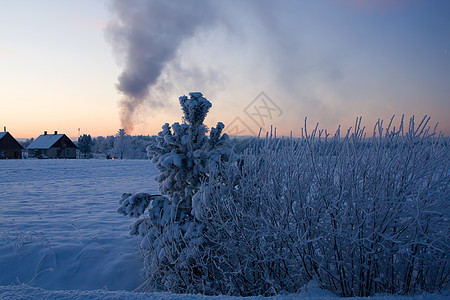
[(61, 237), (59, 228)]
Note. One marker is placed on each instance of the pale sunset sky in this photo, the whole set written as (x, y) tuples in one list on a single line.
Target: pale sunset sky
[(104, 65)]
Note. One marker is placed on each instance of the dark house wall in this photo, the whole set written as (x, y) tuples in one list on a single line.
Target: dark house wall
[(9, 147), (64, 148)]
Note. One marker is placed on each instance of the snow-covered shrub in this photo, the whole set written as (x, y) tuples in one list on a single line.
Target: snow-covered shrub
[(359, 215), (172, 235)]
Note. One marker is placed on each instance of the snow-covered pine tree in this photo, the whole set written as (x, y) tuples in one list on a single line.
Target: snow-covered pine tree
[(121, 143), (172, 235)]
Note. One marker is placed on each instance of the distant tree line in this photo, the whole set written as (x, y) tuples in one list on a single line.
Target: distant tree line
[(26, 142), (119, 146)]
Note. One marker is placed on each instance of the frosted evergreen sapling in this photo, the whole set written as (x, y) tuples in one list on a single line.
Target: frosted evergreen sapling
[(171, 233)]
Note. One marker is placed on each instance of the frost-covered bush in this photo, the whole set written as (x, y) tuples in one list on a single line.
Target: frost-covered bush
[(172, 235), (359, 215)]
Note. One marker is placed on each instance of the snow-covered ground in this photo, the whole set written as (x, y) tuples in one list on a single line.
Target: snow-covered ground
[(59, 228), (61, 237)]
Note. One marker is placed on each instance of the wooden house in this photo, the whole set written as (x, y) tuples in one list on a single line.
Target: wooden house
[(52, 146), (9, 147)]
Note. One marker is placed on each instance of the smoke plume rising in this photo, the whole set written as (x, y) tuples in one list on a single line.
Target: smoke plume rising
[(145, 36), (307, 55)]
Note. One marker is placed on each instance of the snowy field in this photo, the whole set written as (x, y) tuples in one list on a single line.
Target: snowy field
[(59, 231), (59, 226)]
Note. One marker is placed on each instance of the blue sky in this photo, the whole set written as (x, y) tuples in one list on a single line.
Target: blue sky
[(331, 61)]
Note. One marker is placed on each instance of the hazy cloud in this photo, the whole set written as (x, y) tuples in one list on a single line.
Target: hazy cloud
[(331, 60)]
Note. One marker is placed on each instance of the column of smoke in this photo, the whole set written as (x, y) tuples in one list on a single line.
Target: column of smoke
[(146, 36)]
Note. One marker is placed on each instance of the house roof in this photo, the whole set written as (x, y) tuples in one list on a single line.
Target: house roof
[(46, 141), (7, 141)]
